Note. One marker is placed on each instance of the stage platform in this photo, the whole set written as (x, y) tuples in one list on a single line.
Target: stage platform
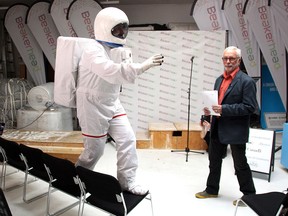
[(69, 144), (172, 136)]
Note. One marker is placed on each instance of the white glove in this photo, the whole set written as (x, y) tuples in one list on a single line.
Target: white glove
[(155, 60)]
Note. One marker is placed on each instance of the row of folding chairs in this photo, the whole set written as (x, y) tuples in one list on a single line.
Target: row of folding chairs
[(89, 187)]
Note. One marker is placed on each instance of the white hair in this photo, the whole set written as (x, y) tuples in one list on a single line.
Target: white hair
[(234, 48)]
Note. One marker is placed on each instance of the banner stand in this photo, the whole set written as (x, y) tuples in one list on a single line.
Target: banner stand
[(260, 152)]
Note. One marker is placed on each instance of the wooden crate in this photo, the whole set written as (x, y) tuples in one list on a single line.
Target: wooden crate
[(161, 135), (143, 140), (195, 141)]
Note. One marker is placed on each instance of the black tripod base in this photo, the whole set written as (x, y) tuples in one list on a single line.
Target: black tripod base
[(277, 149), (187, 150)]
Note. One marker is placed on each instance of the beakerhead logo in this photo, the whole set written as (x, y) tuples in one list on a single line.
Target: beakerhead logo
[(47, 31), (267, 29), (245, 35), (27, 43), (87, 21), (213, 18)]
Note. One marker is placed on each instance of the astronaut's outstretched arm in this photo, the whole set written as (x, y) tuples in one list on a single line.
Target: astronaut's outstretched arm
[(155, 60)]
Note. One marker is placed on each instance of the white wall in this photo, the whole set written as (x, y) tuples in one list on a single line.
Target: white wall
[(160, 94), (157, 13)]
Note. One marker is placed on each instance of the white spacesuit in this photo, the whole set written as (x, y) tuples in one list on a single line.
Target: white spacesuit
[(98, 106)]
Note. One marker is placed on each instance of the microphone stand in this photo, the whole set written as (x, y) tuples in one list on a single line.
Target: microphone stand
[(187, 150)]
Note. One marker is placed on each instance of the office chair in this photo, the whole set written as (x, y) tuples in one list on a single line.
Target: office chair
[(266, 204), (106, 193)]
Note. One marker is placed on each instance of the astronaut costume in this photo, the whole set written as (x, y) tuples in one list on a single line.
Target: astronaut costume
[(98, 106)]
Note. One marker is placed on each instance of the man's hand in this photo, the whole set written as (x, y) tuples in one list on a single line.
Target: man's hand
[(207, 112), (217, 109)]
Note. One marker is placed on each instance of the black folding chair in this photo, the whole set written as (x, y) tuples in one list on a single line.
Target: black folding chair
[(266, 204), (62, 176), (4, 207), (10, 154), (106, 193), (34, 165)]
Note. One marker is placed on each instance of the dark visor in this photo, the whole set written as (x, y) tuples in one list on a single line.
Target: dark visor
[(120, 30)]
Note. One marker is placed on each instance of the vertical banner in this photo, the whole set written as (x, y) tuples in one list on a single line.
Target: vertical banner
[(244, 36), (58, 11), (279, 9), (43, 28), (209, 17), (25, 42), (264, 28), (160, 94), (82, 14)]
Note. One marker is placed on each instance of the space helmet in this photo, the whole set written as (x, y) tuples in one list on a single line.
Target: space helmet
[(111, 25)]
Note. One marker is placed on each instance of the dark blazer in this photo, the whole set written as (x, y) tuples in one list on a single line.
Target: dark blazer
[(238, 104)]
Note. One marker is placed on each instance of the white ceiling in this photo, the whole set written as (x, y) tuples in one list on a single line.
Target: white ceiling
[(7, 3)]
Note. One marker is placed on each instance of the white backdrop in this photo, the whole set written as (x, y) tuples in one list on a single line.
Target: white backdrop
[(160, 94)]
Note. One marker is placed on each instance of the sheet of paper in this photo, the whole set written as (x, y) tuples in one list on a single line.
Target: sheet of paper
[(210, 98)]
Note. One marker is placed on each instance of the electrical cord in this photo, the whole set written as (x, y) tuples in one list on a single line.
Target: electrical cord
[(47, 108)]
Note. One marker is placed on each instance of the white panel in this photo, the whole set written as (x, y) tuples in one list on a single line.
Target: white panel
[(160, 94)]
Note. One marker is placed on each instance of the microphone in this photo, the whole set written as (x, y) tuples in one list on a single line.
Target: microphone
[(192, 58)]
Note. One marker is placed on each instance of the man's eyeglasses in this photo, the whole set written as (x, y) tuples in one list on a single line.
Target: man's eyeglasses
[(231, 59)]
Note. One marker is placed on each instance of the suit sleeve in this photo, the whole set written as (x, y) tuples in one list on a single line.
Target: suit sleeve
[(95, 60)]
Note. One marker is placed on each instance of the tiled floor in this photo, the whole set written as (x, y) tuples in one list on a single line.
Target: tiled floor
[(173, 183)]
